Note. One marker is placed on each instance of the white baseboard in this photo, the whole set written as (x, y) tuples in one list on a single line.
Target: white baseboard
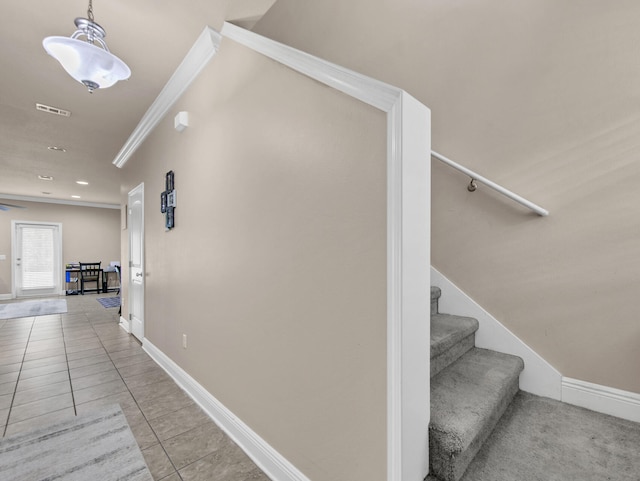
[(538, 377), (125, 324), (603, 399), (5, 297), (272, 463)]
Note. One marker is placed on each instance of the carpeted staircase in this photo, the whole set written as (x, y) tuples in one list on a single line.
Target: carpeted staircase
[(470, 390)]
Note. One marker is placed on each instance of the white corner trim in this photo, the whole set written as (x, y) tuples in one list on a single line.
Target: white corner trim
[(196, 59), (408, 245), (272, 463), (408, 319), (539, 377), (125, 324), (602, 399), (370, 91)]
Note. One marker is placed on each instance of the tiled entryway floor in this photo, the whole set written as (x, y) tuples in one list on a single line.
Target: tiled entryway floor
[(57, 366)]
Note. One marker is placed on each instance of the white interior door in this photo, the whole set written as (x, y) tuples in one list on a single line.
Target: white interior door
[(136, 261), (37, 258)]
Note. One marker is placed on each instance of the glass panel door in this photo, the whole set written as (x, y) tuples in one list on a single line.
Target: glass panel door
[(37, 259)]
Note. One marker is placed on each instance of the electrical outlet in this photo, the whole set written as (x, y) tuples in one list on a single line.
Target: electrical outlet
[(184, 341), (3, 257)]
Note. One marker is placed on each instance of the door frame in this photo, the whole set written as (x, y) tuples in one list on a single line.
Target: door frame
[(136, 190), (58, 264)]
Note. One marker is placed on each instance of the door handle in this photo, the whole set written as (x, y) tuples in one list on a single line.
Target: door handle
[(138, 274)]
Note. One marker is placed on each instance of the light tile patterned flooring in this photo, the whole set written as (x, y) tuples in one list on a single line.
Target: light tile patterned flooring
[(57, 366)]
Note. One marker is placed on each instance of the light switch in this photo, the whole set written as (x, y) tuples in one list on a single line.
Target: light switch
[(3, 257)]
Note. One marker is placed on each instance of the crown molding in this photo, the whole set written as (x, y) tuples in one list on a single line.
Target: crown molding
[(46, 200), (366, 89), (196, 59)]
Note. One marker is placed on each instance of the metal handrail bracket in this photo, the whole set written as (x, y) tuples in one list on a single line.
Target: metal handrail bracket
[(498, 188)]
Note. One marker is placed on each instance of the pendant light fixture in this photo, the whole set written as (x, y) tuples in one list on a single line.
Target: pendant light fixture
[(88, 61)]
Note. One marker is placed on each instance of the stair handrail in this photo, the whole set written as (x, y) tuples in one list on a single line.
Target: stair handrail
[(498, 188)]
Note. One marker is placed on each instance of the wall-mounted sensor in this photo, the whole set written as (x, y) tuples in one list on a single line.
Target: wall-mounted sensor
[(181, 121)]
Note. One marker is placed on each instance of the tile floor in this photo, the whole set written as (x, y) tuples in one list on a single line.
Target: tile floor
[(57, 366)]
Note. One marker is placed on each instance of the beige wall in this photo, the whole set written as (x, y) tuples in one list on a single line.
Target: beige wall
[(276, 268), (542, 97), (88, 233)]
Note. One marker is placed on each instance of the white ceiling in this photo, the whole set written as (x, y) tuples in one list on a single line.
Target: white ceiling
[(151, 36)]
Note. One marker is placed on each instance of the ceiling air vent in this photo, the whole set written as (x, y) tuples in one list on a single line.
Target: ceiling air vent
[(53, 110)]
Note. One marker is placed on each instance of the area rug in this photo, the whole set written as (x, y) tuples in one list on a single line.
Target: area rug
[(109, 301), (98, 446), (32, 308)]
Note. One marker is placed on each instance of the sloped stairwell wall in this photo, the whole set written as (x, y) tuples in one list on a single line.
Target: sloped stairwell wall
[(541, 97), (283, 270), (245, 272)]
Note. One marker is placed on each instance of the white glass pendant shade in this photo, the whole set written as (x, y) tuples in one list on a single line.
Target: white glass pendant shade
[(89, 60), (88, 64)]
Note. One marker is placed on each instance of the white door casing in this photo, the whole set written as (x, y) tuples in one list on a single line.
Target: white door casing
[(135, 215), (36, 259)]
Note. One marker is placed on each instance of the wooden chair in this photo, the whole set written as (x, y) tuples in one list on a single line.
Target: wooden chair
[(90, 272), (118, 275), (119, 287)]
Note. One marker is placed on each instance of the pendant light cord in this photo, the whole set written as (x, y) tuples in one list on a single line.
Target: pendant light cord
[(90, 10)]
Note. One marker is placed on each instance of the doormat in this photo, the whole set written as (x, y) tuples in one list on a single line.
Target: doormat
[(109, 301), (93, 446), (32, 308)]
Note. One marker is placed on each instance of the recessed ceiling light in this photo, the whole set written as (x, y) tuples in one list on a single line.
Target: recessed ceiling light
[(75, 196), (82, 182), (46, 193), (56, 148), (45, 177)]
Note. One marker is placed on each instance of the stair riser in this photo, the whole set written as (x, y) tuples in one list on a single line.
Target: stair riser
[(438, 363), (451, 466), (471, 389)]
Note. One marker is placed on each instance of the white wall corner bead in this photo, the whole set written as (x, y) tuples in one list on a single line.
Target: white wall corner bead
[(181, 121)]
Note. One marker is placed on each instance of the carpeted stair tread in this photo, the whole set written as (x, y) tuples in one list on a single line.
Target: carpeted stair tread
[(447, 329), (451, 337), (467, 400)]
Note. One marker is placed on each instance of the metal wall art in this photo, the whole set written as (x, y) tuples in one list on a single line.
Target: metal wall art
[(168, 201)]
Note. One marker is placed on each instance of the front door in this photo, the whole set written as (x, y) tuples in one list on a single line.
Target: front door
[(136, 261), (37, 258)]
